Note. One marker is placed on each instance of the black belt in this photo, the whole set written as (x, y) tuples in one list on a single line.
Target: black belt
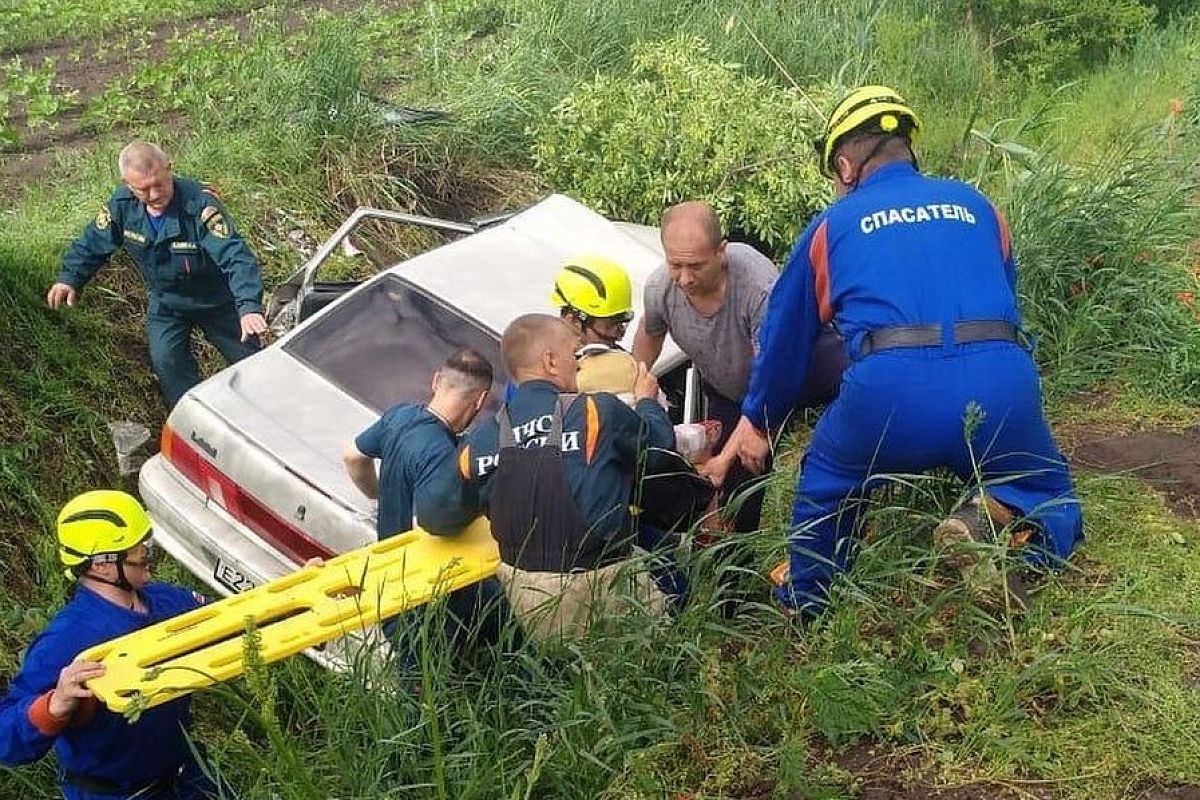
[(583, 562), (985, 330), (96, 785), (605, 558)]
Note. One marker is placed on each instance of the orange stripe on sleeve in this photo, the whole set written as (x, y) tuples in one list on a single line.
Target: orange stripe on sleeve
[(818, 256), (1005, 236), (593, 430), (464, 462), (46, 723)]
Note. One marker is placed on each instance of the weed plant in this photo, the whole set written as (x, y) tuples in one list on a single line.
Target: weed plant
[(25, 23)]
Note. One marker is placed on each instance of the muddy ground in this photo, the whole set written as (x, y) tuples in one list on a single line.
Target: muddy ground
[(1167, 460)]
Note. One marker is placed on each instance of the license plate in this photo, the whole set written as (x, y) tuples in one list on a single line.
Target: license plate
[(232, 576)]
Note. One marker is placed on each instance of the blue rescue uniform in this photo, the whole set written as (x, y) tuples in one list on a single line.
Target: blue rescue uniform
[(418, 476), (907, 250), (198, 269), (600, 454), (104, 748), (418, 473)]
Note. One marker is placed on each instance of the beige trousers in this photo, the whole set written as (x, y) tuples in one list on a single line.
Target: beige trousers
[(552, 605)]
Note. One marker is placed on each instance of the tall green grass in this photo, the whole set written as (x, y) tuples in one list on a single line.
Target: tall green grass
[(1088, 692), (1103, 255)]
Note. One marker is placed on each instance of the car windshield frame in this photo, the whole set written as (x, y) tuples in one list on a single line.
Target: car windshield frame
[(353, 356)]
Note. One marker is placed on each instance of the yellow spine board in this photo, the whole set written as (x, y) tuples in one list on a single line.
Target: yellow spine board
[(300, 610)]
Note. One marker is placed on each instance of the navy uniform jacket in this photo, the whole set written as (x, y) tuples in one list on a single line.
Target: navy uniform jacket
[(106, 745), (418, 473), (602, 442), (197, 262)]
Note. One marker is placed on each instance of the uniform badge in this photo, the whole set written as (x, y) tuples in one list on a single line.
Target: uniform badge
[(213, 220), (103, 218)]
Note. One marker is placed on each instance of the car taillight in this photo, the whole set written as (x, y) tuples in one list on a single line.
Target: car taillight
[(221, 489)]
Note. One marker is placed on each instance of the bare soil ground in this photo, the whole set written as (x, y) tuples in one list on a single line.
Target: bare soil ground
[(890, 774), (1168, 460), (1168, 793)]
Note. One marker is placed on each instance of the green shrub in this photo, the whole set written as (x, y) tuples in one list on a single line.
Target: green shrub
[(684, 126), (1058, 38)]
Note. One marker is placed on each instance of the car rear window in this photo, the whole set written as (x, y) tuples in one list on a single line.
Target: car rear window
[(382, 344)]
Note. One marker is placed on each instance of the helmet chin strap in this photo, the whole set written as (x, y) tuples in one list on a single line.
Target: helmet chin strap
[(122, 582)]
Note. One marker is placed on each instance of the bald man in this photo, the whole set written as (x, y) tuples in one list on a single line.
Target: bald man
[(555, 472), (199, 271), (710, 296)]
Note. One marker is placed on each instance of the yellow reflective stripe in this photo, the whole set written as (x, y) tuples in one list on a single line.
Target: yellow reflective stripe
[(464, 462)]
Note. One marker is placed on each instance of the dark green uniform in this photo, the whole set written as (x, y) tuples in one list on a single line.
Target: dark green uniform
[(198, 269)]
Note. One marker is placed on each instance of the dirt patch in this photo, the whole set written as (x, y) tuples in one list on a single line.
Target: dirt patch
[(1169, 793), (885, 773), (1167, 460)]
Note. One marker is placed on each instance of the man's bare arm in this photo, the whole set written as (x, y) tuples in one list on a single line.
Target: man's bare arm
[(361, 470), (647, 347)]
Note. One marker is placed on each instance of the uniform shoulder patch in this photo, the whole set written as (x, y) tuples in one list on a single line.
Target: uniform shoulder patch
[(103, 218), (214, 220)]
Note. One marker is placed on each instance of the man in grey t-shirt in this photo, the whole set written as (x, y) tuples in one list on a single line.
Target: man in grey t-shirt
[(710, 296)]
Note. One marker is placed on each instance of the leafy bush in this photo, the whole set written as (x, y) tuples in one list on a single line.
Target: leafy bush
[(1056, 38), (684, 126)]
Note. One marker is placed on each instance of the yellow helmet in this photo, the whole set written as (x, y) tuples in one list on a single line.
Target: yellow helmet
[(593, 286), (100, 522), (873, 109)]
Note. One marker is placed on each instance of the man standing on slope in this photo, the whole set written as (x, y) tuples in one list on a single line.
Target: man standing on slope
[(918, 276), (198, 268)]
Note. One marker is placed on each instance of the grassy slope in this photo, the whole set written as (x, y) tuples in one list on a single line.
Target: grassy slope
[(1093, 692)]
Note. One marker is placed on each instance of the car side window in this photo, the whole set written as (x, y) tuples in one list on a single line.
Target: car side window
[(382, 343)]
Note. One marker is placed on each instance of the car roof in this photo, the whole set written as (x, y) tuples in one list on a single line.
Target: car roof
[(508, 269)]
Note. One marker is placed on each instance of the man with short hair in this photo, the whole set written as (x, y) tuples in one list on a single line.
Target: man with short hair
[(418, 479), (198, 269), (555, 471), (710, 296), (918, 275), (105, 549)]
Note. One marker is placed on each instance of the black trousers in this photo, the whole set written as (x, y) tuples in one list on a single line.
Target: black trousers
[(821, 386)]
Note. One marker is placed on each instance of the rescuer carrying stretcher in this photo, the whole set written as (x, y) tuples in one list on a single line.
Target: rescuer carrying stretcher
[(105, 548)]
